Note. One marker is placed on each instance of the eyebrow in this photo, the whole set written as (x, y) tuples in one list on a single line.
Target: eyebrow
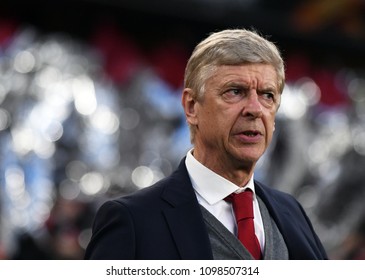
[(269, 88), (245, 85)]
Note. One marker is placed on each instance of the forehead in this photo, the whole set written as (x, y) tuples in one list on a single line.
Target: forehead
[(256, 74)]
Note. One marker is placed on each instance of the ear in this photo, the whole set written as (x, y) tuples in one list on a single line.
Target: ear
[(189, 105)]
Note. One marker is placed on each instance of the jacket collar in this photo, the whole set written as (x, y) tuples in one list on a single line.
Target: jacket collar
[(184, 218)]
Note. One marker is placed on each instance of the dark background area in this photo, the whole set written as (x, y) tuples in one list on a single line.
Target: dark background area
[(321, 28)]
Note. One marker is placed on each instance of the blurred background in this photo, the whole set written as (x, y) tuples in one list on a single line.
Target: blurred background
[(90, 110)]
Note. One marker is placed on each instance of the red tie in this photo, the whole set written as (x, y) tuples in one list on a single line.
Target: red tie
[(243, 210)]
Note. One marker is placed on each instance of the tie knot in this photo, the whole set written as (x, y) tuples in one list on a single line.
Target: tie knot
[(242, 204)]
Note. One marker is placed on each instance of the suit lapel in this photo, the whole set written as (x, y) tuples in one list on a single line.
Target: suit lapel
[(271, 205), (184, 218), (293, 224)]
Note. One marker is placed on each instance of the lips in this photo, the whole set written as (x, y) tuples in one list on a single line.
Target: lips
[(251, 133), (250, 136)]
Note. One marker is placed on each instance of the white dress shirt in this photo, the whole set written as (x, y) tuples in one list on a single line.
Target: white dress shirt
[(211, 189)]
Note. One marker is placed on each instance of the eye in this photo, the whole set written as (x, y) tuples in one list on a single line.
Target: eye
[(234, 94), (268, 95)]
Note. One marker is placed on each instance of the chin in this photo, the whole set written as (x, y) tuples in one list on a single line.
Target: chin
[(247, 160), (250, 155)]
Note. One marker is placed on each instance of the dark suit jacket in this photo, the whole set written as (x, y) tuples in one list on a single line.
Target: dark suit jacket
[(164, 221)]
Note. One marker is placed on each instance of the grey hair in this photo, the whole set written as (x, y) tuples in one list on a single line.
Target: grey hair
[(230, 47)]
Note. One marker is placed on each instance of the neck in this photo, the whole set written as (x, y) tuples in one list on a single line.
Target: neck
[(236, 172)]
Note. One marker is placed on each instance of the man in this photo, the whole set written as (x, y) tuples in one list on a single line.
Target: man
[(233, 85)]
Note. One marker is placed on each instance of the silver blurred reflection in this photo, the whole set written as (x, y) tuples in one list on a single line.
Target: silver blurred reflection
[(50, 107), (70, 133)]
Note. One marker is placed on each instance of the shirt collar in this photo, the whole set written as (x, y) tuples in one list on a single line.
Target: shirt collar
[(210, 185)]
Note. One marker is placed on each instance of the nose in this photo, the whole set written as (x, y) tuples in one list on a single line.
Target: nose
[(252, 107)]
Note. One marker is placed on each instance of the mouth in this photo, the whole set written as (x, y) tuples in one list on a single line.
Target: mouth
[(250, 136), (251, 133)]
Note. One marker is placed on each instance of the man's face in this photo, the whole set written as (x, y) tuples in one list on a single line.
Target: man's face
[(236, 118)]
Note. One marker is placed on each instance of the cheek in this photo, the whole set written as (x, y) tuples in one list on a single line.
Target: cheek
[(270, 127), (269, 136), (218, 120), (216, 126)]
